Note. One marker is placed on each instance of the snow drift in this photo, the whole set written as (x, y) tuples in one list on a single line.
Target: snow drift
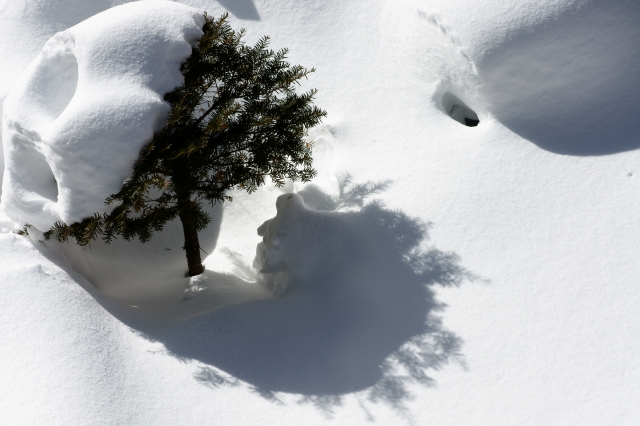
[(80, 114)]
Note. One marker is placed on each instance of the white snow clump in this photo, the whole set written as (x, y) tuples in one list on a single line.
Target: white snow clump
[(272, 252), (77, 118)]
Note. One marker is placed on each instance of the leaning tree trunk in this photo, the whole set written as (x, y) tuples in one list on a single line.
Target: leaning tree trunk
[(191, 242)]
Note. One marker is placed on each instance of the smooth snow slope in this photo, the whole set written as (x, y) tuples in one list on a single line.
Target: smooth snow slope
[(526, 199)]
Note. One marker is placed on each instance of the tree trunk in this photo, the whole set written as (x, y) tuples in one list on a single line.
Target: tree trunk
[(191, 242)]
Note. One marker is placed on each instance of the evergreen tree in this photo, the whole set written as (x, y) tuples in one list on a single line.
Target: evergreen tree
[(234, 121)]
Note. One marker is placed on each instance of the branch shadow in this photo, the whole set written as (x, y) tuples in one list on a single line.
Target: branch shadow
[(360, 313)]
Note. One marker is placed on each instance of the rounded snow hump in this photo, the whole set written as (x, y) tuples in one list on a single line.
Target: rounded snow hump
[(79, 115)]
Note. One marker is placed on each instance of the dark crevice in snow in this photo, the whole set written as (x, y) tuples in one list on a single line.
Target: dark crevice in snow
[(471, 122), (458, 110)]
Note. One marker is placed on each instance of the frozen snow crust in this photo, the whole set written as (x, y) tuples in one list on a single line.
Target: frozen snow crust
[(79, 115)]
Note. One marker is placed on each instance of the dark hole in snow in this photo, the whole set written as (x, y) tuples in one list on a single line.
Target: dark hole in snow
[(459, 111)]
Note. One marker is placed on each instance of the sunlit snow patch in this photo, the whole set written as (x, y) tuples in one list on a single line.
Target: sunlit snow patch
[(77, 118)]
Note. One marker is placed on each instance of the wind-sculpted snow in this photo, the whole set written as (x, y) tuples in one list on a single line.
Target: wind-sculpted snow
[(25, 26), (79, 115)]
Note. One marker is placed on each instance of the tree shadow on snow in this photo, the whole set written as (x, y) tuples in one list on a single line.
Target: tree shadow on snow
[(360, 314)]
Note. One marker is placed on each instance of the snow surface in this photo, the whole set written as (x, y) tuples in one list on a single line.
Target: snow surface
[(539, 199)]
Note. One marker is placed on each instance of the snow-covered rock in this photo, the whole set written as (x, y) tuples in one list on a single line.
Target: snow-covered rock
[(79, 115)]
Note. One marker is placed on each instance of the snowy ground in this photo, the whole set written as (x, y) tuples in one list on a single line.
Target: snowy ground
[(539, 201)]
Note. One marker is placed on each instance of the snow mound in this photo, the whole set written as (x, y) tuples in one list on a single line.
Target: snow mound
[(570, 84), (77, 118)]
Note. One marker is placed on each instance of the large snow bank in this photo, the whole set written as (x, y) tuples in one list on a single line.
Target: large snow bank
[(79, 115)]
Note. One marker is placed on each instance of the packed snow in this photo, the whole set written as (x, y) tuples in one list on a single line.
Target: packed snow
[(466, 255)]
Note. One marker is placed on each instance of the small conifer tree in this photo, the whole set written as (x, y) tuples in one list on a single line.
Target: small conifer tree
[(234, 121)]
